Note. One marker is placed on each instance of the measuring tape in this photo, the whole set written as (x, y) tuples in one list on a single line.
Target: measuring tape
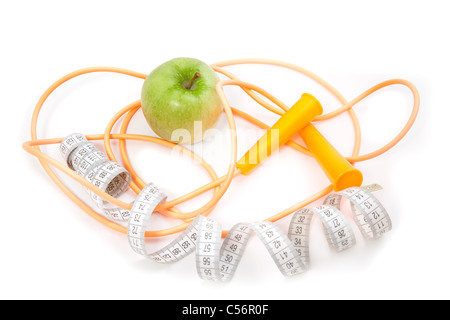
[(370, 215), (92, 164), (216, 260)]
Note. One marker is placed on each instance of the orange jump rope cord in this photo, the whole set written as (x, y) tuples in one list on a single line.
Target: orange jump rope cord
[(347, 106), (221, 184), (139, 184), (130, 110)]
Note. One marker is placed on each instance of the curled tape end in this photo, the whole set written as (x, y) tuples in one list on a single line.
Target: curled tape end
[(372, 187)]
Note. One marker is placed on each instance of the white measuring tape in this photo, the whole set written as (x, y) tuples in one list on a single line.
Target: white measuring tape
[(93, 165), (369, 213), (217, 260)]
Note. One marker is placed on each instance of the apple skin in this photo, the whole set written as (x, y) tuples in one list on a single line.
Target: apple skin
[(168, 105)]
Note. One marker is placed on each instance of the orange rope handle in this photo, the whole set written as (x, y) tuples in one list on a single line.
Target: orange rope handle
[(219, 184)]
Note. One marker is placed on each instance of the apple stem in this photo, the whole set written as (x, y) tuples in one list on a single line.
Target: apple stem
[(189, 85)]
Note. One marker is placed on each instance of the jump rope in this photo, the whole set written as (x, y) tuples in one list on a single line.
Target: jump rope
[(105, 180)]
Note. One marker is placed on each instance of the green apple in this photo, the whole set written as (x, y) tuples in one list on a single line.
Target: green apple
[(179, 99)]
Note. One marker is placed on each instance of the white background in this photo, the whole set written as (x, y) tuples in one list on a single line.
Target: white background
[(50, 249)]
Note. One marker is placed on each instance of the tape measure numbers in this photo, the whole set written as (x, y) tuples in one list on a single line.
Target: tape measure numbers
[(370, 215)]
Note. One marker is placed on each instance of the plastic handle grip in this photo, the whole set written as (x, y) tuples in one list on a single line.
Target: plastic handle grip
[(338, 170), (290, 123)]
